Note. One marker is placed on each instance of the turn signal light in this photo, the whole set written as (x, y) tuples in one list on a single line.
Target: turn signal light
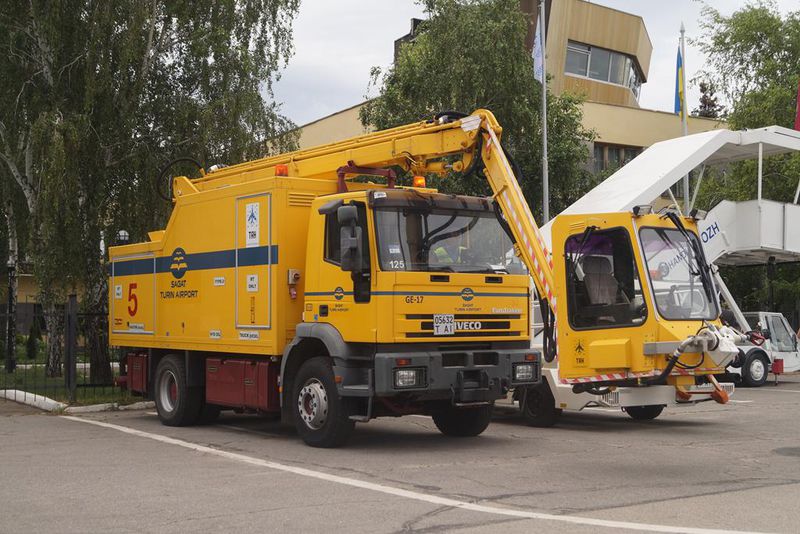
[(281, 170), (402, 362), (419, 181), (530, 357)]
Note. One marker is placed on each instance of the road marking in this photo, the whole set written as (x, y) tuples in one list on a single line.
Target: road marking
[(398, 492), (740, 401), (785, 390)]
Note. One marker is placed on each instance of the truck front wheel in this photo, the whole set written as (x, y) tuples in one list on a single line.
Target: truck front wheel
[(320, 415), (755, 369), (462, 422), (176, 403), (644, 413)]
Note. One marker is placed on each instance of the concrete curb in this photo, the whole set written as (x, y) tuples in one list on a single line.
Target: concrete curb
[(50, 405), (32, 399)]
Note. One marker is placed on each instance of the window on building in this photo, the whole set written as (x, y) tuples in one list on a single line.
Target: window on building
[(607, 156), (577, 58), (603, 65)]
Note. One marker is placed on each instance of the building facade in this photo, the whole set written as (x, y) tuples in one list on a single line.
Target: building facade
[(596, 51)]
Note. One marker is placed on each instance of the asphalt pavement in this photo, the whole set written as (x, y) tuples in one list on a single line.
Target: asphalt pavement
[(732, 467)]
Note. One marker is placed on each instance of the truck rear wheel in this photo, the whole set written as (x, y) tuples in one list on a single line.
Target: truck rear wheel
[(538, 406), (320, 415), (462, 422), (644, 413), (176, 403)]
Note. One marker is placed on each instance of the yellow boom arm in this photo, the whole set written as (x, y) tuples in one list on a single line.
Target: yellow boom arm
[(419, 147)]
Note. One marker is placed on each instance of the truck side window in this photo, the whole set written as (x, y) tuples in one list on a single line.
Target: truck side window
[(603, 286), (333, 251)]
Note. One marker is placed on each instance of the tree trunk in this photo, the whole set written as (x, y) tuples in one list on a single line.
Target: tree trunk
[(54, 322)]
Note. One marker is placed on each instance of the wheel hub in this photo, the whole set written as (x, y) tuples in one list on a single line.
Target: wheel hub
[(169, 391), (757, 369), (312, 404)]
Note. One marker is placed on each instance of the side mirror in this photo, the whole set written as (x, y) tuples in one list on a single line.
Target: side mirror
[(350, 239)]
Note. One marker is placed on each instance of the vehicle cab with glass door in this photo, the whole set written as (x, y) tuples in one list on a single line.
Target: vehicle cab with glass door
[(635, 286)]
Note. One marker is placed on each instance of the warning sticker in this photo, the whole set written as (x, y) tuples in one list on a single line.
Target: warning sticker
[(251, 225), (118, 292), (252, 283), (248, 335)]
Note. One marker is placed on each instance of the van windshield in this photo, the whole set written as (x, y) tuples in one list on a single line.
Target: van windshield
[(463, 241)]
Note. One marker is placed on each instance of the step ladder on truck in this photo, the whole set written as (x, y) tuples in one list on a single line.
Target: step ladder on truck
[(638, 186), (285, 286)]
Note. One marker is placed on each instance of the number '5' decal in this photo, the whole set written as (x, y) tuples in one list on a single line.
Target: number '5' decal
[(133, 301)]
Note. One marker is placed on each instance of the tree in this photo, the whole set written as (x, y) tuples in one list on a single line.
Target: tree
[(95, 96), (709, 107), (753, 57), (471, 54)]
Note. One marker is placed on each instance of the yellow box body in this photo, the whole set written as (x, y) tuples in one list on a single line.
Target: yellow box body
[(214, 281)]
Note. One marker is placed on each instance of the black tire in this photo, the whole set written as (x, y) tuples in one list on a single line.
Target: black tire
[(644, 413), (176, 403), (462, 422), (538, 406), (321, 417), (755, 370)]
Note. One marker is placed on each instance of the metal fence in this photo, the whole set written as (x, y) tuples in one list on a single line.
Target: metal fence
[(64, 356)]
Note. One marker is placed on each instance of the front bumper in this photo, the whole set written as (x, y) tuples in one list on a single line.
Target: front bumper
[(462, 377)]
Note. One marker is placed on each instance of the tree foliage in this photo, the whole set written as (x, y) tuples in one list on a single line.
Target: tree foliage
[(471, 54), (95, 96), (753, 60), (709, 106)]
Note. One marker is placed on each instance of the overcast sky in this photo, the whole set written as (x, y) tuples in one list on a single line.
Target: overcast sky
[(338, 41)]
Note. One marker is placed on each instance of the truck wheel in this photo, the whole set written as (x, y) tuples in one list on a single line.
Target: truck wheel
[(176, 403), (539, 407), (754, 370), (320, 415), (462, 422), (644, 413)]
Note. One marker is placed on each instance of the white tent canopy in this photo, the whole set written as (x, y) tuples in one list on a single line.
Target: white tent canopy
[(664, 164)]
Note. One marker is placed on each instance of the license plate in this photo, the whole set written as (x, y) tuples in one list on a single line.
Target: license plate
[(444, 324)]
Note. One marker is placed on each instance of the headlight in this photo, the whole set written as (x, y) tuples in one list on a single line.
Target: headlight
[(523, 372), (409, 378)]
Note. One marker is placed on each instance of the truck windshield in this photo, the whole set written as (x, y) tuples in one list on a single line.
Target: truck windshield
[(676, 273), (411, 239)]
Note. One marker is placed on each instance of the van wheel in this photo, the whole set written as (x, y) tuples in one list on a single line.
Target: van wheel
[(644, 413), (462, 422), (538, 406), (176, 403), (320, 415), (754, 370)]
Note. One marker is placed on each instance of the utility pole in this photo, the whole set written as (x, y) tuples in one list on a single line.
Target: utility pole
[(545, 177), (684, 115)]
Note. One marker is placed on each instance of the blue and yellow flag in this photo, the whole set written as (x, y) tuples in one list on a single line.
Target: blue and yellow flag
[(679, 97)]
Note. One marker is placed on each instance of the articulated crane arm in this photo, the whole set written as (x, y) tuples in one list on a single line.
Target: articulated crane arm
[(421, 148)]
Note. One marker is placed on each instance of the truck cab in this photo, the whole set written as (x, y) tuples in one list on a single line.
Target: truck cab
[(780, 343), (419, 300)]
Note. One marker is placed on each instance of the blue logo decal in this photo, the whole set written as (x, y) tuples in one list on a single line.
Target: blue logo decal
[(178, 265), (338, 293), (467, 294)]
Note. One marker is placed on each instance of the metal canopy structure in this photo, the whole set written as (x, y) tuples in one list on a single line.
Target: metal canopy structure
[(664, 164)]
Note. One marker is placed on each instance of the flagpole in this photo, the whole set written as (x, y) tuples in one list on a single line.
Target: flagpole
[(684, 115), (545, 177)]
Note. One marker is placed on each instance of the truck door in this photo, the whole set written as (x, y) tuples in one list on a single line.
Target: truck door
[(253, 264), (783, 342), (333, 301), (133, 282)]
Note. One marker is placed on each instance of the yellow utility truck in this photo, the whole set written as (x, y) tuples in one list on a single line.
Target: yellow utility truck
[(312, 285)]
